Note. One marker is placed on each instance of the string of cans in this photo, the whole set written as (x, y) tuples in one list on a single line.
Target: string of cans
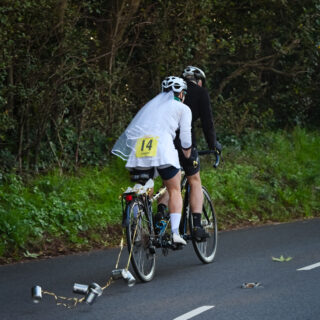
[(89, 292)]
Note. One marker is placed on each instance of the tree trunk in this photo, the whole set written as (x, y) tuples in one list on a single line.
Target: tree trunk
[(61, 8), (20, 147), (11, 84), (80, 128)]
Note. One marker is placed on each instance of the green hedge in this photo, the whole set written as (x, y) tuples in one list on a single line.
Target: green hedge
[(264, 177), (73, 73), (275, 176)]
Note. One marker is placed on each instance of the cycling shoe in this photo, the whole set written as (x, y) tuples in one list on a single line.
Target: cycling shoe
[(177, 239)]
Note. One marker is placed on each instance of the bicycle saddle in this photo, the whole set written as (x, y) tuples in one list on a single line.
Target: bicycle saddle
[(140, 178)]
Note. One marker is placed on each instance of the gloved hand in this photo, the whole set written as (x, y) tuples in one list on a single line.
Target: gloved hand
[(218, 147), (193, 160)]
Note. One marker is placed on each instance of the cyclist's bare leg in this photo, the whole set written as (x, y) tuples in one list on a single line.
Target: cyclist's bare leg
[(164, 199), (175, 206), (196, 195), (196, 202), (174, 193)]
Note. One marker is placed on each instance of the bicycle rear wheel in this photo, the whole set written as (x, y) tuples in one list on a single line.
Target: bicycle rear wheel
[(138, 234), (207, 248)]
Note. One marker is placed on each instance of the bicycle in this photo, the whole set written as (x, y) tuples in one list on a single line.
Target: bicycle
[(142, 238)]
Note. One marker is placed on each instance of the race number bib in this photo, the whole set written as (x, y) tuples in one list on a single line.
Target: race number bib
[(146, 147)]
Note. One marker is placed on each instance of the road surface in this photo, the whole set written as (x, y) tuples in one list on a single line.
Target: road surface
[(183, 287)]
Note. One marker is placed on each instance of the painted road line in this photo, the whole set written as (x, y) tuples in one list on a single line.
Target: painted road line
[(312, 266), (193, 313)]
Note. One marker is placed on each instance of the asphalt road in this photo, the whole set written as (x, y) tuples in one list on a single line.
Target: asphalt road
[(182, 283)]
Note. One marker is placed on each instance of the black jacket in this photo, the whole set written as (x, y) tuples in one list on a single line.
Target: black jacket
[(198, 100)]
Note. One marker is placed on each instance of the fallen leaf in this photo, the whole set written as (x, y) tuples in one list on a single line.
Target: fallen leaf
[(27, 254), (282, 259), (251, 285)]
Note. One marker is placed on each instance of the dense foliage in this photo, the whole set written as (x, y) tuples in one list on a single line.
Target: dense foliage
[(272, 177), (72, 73)]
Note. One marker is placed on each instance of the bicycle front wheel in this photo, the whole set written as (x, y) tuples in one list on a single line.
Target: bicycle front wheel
[(138, 234), (206, 249)]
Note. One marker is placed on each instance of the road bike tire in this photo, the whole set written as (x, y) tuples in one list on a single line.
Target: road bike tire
[(143, 262), (206, 250)]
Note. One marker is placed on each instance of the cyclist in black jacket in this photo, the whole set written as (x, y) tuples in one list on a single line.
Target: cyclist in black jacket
[(199, 102)]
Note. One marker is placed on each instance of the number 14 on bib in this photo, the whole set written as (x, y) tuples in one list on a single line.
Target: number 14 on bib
[(146, 147)]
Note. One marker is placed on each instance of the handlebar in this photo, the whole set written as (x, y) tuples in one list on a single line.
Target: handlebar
[(217, 155)]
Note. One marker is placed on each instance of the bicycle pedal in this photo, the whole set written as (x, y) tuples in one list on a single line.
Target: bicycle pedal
[(157, 243), (152, 250), (165, 251), (177, 246)]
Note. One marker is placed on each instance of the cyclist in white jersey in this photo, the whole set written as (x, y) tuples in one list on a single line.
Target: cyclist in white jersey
[(147, 143)]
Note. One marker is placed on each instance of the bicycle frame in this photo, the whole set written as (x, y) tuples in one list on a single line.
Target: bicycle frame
[(147, 201), (185, 210), (144, 237)]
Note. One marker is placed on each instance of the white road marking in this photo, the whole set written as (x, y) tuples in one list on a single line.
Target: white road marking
[(312, 266), (193, 313)]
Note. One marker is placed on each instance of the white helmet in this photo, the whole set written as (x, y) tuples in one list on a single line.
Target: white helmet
[(191, 72), (175, 84)]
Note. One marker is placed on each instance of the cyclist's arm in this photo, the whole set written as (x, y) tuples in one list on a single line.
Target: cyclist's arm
[(207, 120), (185, 128)]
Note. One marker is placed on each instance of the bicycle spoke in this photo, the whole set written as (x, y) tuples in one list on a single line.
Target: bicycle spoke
[(142, 262), (206, 248)]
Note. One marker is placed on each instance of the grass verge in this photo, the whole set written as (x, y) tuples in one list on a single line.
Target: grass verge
[(267, 177)]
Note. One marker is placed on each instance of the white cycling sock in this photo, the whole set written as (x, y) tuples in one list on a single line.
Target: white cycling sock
[(175, 222)]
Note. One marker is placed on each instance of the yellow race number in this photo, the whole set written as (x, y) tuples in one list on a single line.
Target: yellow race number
[(146, 147)]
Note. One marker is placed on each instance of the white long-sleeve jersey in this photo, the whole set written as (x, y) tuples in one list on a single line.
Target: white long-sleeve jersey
[(148, 140)]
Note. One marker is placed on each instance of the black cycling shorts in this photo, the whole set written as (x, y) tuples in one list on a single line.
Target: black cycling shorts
[(189, 168), (165, 173)]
